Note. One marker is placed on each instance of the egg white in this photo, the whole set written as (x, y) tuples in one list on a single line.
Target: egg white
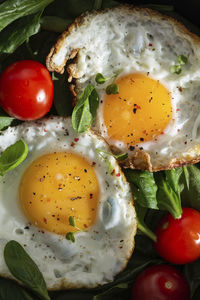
[(138, 40), (100, 252)]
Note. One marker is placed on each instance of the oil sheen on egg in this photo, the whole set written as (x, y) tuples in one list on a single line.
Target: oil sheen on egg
[(155, 115), (64, 176)]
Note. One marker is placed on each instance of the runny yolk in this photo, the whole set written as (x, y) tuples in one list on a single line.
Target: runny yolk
[(59, 185), (139, 112)]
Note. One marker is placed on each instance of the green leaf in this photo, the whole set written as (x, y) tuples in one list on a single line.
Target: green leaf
[(24, 269), (191, 196), (144, 187), (100, 79), (55, 24), (111, 291), (5, 121), (187, 177), (167, 198), (70, 236), (142, 226), (13, 156), (85, 110), (72, 221), (11, 10), (119, 157), (18, 32), (11, 291), (182, 60), (97, 4), (173, 177), (176, 69), (112, 89)]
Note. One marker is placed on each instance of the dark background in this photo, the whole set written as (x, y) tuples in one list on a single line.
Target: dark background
[(189, 9)]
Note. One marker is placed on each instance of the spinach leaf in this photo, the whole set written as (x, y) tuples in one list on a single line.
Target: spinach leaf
[(11, 291), (192, 273), (191, 196), (18, 32), (24, 269), (5, 121), (85, 110), (144, 187), (110, 292), (167, 198), (11, 10), (13, 156)]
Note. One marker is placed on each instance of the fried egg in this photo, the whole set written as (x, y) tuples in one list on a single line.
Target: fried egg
[(64, 176), (155, 115)]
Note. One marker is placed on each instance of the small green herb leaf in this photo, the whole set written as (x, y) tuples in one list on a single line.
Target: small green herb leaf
[(85, 110), (176, 69), (100, 79), (5, 121), (121, 156), (72, 221), (112, 89), (70, 236), (13, 156), (182, 60), (24, 269)]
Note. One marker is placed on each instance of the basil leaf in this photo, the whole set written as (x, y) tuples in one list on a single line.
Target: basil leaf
[(24, 269), (144, 187), (13, 156), (85, 110), (70, 236), (112, 89), (11, 291), (18, 32), (121, 156), (167, 198), (5, 121), (187, 177), (173, 177), (11, 10)]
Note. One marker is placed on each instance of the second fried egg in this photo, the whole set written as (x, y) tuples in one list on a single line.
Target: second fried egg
[(155, 115)]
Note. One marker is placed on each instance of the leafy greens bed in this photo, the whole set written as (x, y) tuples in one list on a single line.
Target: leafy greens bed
[(24, 26)]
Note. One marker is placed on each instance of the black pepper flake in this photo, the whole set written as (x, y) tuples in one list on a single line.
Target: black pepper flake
[(134, 110), (131, 148), (141, 139), (27, 227), (85, 170), (150, 99)]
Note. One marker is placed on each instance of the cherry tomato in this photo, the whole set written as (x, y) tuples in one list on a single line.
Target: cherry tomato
[(161, 282), (178, 240), (26, 90)]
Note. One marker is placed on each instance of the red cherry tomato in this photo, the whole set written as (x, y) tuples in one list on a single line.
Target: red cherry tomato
[(178, 240), (26, 90), (161, 282)]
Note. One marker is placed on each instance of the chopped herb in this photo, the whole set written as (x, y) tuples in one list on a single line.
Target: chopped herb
[(72, 221), (112, 89), (100, 79), (181, 60), (70, 237), (121, 156)]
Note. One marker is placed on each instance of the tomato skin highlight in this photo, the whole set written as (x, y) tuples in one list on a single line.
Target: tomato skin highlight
[(161, 282), (178, 240), (26, 90)]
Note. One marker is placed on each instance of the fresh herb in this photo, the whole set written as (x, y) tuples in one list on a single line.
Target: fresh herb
[(100, 79), (70, 237), (112, 89), (101, 152), (72, 221), (119, 157), (97, 4), (13, 156), (181, 60), (85, 110), (12, 10), (5, 121), (24, 269)]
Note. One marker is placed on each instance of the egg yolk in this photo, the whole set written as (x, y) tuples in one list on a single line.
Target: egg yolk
[(139, 112), (59, 185)]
